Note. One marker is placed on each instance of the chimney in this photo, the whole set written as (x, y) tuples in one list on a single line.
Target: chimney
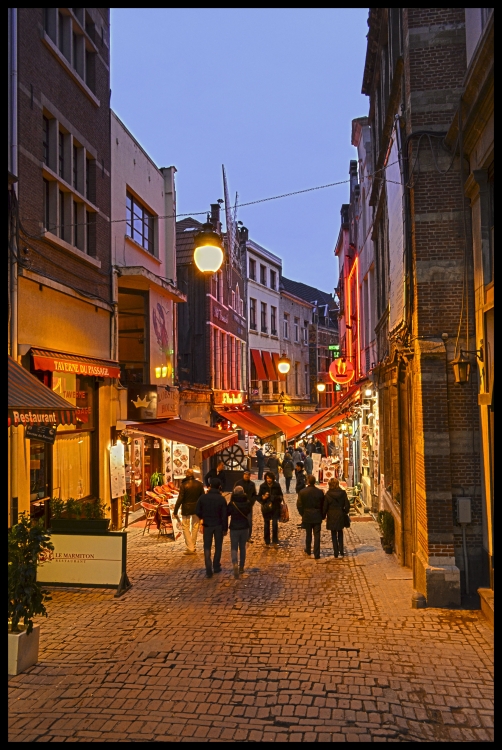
[(215, 217)]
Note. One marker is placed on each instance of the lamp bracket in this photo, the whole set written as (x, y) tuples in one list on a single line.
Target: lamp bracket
[(477, 352)]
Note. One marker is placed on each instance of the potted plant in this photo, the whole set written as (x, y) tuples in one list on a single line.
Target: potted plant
[(385, 521), (78, 516), (156, 479), (26, 543)]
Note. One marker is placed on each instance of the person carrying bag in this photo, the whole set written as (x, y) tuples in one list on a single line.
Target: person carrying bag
[(270, 498), (238, 511), (336, 511)]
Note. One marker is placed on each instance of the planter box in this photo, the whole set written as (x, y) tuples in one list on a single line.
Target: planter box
[(23, 650), (79, 526)]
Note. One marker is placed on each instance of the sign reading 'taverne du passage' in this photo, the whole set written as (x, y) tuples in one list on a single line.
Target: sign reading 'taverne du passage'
[(86, 560)]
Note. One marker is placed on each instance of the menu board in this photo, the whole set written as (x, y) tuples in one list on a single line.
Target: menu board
[(177, 528), (167, 458), (180, 460), (117, 470), (316, 463)]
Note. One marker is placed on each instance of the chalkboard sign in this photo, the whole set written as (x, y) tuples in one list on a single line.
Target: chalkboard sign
[(46, 433)]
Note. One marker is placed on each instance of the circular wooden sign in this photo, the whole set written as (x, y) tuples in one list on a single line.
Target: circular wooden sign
[(341, 371)]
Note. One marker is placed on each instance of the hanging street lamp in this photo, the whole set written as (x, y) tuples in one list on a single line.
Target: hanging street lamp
[(462, 365), (283, 364), (321, 387), (208, 253)]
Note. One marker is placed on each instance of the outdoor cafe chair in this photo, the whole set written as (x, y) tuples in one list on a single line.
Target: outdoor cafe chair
[(153, 497), (150, 513), (164, 520)]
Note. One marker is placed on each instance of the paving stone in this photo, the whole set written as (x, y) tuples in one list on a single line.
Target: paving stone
[(298, 651)]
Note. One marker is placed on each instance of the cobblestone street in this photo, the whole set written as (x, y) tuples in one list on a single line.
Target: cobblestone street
[(298, 651)]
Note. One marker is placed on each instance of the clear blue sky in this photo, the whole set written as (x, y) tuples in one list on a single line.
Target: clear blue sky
[(269, 93)]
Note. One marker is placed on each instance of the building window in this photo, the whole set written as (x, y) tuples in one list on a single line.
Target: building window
[(252, 314), (46, 141), (263, 275), (60, 31), (75, 223), (297, 329), (252, 269), (297, 378), (307, 379), (273, 280), (139, 223), (305, 333), (232, 301), (286, 326), (46, 205), (273, 321), (263, 317), (61, 214), (89, 216), (61, 155), (75, 167)]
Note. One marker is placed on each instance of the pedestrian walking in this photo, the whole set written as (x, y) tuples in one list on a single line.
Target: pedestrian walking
[(301, 476), (336, 506), (297, 456), (308, 464), (319, 448), (219, 473), (273, 464), (212, 509), (190, 491), (238, 510), (287, 469), (270, 497), (249, 488), (310, 506), (260, 458)]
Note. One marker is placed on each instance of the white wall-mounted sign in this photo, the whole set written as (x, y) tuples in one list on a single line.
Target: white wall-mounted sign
[(117, 470)]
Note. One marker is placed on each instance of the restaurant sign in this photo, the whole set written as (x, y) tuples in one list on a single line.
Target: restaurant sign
[(146, 402), (45, 433), (28, 417), (83, 367), (341, 371), (229, 397)]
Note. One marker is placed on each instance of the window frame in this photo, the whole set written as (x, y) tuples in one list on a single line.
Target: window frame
[(137, 212), (285, 323), (273, 279), (263, 275), (252, 314), (252, 269), (273, 320), (263, 317)]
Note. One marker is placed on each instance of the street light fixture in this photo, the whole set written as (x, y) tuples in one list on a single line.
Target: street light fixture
[(208, 253), (462, 365), (321, 387), (284, 364)]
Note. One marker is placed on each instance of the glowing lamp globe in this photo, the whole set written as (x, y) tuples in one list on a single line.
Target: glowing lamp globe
[(321, 387), (208, 253), (283, 365)]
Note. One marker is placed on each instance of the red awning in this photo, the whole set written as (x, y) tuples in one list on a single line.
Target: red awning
[(54, 361), (269, 365), (31, 402), (252, 422), (276, 358), (301, 416), (332, 415), (284, 421), (308, 424), (258, 363), (205, 439)]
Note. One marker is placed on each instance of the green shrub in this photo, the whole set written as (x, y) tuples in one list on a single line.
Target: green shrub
[(386, 523)]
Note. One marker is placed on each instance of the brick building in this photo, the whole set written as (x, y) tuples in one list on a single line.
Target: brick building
[(429, 426), (60, 281)]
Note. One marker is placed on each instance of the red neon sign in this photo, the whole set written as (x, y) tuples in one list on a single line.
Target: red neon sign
[(341, 371)]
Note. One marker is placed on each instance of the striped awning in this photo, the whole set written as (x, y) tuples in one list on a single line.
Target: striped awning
[(31, 402), (205, 439), (54, 361), (258, 363)]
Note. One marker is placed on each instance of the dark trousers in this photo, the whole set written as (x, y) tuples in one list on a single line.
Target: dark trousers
[(288, 482), (275, 530), (260, 471), (209, 533), (250, 519), (238, 539), (316, 528), (337, 537)]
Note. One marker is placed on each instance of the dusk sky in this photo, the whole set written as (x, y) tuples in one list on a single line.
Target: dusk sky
[(269, 93)]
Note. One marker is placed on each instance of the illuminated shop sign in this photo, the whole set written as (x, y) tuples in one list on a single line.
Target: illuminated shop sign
[(341, 371)]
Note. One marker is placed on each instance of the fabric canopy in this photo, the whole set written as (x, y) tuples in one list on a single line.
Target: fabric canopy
[(301, 416), (269, 365), (31, 402), (285, 422), (205, 439), (258, 363), (252, 422), (307, 424), (332, 415)]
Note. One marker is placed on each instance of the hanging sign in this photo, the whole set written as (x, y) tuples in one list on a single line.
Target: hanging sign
[(44, 432), (117, 470), (341, 371)]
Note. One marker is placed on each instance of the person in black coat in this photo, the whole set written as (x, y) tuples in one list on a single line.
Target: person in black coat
[(310, 506), (270, 492), (238, 510), (273, 464), (336, 505), (287, 469), (212, 509), (301, 480), (260, 458), (219, 473), (190, 491), (249, 488)]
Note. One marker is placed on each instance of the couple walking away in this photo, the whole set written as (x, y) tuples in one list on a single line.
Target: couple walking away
[(314, 506)]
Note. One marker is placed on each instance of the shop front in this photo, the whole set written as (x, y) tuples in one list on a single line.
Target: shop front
[(35, 413)]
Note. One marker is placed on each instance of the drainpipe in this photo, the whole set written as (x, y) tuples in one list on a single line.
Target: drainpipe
[(14, 488)]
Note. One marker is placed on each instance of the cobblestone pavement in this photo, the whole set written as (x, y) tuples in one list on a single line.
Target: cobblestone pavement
[(298, 651)]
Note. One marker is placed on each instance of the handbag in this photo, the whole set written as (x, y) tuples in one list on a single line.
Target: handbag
[(284, 517), (267, 507), (346, 521)]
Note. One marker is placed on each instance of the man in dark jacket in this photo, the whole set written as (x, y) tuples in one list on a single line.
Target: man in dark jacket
[(273, 465), (190, 491), (310, 506), (287, 469), (319, 448), (238, 510), (270, 493), (301, 480), (260, 458), (219, 473), (212, 509), (249, 488)]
